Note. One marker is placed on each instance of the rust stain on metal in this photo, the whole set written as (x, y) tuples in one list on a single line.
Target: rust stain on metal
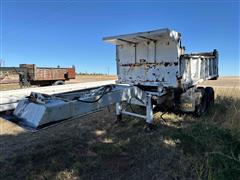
[(151, 64)]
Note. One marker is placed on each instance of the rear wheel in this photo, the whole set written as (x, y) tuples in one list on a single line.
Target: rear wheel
[(58, 83), (210, 96), (202, 107)]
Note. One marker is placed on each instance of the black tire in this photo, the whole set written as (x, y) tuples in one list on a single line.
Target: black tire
[(202, 107), (210, 96), (58, 83)]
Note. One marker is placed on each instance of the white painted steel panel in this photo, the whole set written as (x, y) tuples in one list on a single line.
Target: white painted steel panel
[(149, 74), (143, 36), (145, 52), (159, 60), (167, 51), (151, 60), (126, 53), (198, 67)]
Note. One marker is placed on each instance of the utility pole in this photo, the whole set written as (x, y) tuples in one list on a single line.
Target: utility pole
[(108, 69), (2, 63)]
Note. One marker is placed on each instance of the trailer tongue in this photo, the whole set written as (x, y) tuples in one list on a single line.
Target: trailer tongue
[(152, 70), (42, 110)]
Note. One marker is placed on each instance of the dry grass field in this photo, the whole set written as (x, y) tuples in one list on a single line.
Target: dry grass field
[(91, 78), (79, 79), (94, 147)]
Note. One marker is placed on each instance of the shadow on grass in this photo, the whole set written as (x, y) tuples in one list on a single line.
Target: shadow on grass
[(95, 148)]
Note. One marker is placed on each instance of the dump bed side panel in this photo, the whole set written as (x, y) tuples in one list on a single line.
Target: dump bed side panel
[(149, 63), (198, 67)]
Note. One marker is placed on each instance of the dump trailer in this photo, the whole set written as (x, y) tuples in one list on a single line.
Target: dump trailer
[(153, 71), (30, 74)]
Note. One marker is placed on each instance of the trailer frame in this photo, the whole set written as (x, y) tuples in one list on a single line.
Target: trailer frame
[(152, 71)]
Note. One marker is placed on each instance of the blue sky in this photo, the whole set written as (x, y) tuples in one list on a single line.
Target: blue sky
[(65, 33)]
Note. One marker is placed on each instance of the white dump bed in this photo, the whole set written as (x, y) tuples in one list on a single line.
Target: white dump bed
[(198, 67), (156, 58)]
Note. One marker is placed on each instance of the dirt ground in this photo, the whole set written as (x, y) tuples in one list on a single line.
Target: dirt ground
[(91, 78), (94, 147), (79, 79)]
